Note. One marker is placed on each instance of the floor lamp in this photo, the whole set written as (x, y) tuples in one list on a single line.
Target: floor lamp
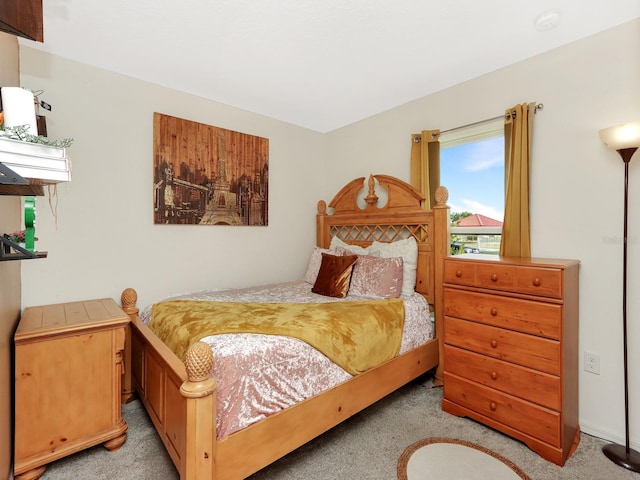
[(624, 139)]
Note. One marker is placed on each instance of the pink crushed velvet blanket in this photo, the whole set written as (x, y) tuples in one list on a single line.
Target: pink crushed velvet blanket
[(259, 375), (356, 335)]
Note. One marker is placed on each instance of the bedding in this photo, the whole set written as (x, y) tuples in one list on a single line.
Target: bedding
[(260, 374), (338, 245), (405, 249), (373, 277), (314, 263), (377, 277), (334, 277), (356, 335)]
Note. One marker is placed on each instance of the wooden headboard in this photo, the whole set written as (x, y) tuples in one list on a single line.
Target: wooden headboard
[(401, 216)]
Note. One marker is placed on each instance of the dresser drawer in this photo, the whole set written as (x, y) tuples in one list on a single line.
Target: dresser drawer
[(537, 421), (532, 385), (529, 280), (519, 348), (459, 273), (537, 318), (544, 282)]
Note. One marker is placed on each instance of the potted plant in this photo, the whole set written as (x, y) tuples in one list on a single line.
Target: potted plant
[(18, 237)]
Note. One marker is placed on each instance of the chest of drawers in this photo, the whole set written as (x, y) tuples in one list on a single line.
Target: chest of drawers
[(511, 348)]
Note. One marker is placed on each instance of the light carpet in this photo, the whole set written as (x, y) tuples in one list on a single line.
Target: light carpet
[(450, 459), (365, 447)]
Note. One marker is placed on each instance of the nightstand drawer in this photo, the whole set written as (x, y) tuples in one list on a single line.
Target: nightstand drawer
[(537, 318), (526, 350), (532, 385), (537, 421)]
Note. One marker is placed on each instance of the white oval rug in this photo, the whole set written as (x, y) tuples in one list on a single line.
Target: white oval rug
[(450, 459)]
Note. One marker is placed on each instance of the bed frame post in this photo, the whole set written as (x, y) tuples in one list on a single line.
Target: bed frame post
[(442, 248), (128, 300), (200, 419), (323, 234)]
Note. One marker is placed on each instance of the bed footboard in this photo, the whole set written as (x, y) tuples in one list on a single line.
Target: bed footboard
[(181, 402), (179, 397)]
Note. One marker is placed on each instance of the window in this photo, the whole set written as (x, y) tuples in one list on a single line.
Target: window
[(472, 169)]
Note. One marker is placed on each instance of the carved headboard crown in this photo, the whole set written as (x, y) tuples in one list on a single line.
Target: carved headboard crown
[(402, 216), (400, 195)]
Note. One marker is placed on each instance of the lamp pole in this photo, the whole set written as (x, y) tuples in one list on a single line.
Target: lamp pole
[(625, 139)]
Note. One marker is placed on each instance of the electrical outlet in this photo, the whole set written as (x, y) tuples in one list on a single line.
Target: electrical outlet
[(592, 362)]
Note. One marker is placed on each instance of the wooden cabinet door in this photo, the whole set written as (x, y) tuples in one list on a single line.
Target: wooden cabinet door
[(67, 389)]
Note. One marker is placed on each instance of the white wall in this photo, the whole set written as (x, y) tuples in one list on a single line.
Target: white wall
[(576, 186), (105, 239)]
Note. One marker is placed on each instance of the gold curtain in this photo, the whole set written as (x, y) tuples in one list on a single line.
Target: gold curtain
[(518, 129), (425, 164)]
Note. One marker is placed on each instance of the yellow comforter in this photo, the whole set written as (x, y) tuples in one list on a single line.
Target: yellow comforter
[(356, 335)]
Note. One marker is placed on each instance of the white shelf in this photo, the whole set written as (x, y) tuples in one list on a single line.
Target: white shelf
[(34, 161)]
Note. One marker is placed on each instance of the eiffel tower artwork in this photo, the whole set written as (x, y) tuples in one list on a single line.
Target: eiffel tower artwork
[(205, 175)]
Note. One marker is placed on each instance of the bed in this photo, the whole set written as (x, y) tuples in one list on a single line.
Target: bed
[(181, 396)]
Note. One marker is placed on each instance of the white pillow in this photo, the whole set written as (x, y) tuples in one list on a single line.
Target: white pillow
[(408, 250), (337, 244), (314, 263)]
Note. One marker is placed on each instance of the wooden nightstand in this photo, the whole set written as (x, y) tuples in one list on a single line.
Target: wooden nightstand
[(68, 363)]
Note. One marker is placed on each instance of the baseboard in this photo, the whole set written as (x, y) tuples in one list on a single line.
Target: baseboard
[(606, 434)]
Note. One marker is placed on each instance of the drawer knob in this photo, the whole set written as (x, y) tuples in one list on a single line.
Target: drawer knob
[(494, 343), (536, 282), (494, 311), (458, 273), (493, 406), (494, 375), (494, 278)]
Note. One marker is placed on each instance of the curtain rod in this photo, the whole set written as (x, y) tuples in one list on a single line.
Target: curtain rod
[(538, 106)]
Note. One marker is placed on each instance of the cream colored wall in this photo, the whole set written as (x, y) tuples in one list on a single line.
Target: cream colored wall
[(9, 280), (576, 186), (105, 239)]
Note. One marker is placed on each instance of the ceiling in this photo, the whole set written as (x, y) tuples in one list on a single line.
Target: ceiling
[(319, 64)]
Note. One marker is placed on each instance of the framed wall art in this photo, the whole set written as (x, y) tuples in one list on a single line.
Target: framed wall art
[(206, 175)]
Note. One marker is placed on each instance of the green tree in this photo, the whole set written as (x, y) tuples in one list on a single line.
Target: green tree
[(457, 216)]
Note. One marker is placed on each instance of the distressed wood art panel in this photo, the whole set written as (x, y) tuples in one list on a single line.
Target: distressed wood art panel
[(208, 175)]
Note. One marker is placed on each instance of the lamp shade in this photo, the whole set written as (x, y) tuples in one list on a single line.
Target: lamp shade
[(622, 136)]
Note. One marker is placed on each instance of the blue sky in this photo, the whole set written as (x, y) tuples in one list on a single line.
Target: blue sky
[(474, 175)]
